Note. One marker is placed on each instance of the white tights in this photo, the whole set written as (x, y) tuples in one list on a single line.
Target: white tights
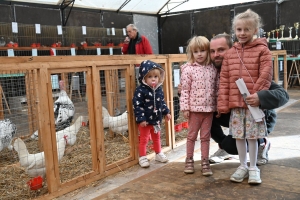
[(241, 145)]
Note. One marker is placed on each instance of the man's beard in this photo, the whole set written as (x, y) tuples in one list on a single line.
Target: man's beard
[(218, 66)]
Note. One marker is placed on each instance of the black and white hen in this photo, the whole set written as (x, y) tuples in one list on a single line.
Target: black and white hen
[(7, 133), (64, 109)]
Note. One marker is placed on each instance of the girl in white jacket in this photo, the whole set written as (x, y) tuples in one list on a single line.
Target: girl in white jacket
[(198, 100)]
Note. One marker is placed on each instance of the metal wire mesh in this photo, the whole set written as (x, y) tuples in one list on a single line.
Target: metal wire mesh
[(114, 115), (49, 37), (180, 123), (71, 114), (291, 47), (18, 109)]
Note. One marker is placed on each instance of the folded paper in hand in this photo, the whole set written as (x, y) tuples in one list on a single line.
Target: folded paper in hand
[(257, 113)]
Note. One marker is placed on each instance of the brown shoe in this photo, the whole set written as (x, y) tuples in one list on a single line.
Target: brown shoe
[(206, 171), (189, 166)]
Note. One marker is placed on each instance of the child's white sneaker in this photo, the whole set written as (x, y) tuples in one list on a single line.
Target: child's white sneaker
[(239, 174), (143, 161), (161, 157), (254, 176)]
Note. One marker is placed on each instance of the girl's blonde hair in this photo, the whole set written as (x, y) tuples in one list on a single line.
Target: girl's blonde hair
[(250, 18), (198, 42)]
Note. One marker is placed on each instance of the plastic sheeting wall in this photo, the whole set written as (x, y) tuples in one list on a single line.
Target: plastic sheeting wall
[(147, 26), (175, 32), (209, 23)]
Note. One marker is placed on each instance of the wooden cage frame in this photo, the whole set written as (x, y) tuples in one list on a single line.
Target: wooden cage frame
[(44, 66)]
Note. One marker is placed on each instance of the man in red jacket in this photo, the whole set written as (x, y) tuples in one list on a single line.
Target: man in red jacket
[(135, 43)]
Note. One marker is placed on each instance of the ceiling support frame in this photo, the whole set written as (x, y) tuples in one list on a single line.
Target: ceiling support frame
[(123, 5), (62, 7)]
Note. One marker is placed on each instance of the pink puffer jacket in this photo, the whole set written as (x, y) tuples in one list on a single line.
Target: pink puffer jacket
[(199, 88), (257, 58)]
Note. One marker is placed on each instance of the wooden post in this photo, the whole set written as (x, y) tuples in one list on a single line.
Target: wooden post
[(29, 98), (97, 122), (93, 115), (49, 139), (112, 91), (6, 104), (35, 100), (275, 68), (1, 104), (132, 126), (3, 95), (275, 55), (171, 139), (169, 101)]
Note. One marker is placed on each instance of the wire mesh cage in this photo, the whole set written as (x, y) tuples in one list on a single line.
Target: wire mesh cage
[(19, 120), (57, 135), (180, 123), (114, 115), (71, 123), (60, 38)]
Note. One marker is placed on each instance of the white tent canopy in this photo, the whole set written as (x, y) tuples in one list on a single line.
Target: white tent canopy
[(144, 6)]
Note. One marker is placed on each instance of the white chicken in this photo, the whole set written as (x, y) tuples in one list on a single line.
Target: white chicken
[(7, 132), (2, 42), (68, 133), (64, 111), (34, 164), (118, 124), (105, 117)]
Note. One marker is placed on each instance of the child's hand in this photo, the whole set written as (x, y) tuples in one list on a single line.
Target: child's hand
[(167, 117), (218, 115), (179, 88), (186, 114), (252, 100), (143, 124)]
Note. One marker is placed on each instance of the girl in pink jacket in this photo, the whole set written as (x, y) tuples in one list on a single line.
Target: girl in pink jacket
[(198, 100), (251, 60)]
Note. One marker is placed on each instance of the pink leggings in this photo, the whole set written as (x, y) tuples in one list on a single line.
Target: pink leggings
[(199, 121), (145, 133)]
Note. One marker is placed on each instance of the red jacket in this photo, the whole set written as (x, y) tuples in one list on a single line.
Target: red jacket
[(142, 46), (257, 58)]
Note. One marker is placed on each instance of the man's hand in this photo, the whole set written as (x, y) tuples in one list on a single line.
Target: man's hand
[(186, 114), (253, 100), (127, 40)]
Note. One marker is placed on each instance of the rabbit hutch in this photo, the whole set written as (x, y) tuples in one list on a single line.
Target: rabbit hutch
[(69, 120)]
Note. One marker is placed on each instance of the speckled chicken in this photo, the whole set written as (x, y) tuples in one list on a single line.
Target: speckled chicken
[(64, 111), (7, 132)]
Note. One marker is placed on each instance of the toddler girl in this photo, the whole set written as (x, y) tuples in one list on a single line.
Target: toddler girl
[(149, 107)]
